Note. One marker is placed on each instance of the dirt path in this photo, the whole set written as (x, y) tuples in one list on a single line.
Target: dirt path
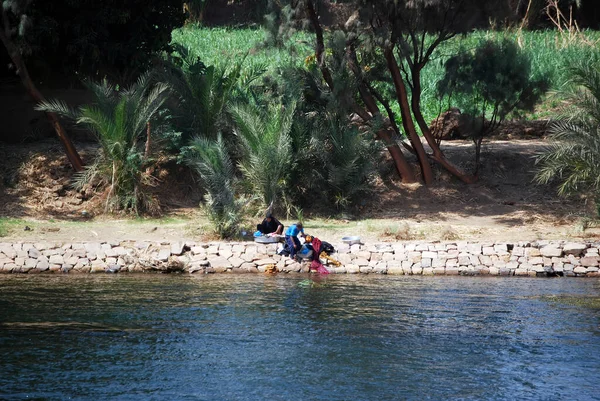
[(502, 205)]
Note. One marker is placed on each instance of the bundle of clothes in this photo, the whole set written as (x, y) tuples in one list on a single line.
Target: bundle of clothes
[(313, 249)]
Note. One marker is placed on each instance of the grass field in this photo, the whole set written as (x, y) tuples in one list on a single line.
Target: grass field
[(550, 53)]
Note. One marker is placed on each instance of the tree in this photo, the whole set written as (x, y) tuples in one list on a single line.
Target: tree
[(14, 23), (573, 156), (402, 36), (119, 119), (488, 84)]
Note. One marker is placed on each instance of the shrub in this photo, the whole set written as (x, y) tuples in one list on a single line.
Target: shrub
[(266, 148), (573, 156), (119, 119), (489, 84), (211, 160)]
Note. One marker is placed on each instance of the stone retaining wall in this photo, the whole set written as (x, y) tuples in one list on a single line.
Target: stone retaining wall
[(540, 258)]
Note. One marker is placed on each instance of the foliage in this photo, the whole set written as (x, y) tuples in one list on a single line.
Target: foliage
[(266, 149), (345, 165), (573, 156), (489, 83), (119, 120), (202, 92), (547, 54), (210, 158)]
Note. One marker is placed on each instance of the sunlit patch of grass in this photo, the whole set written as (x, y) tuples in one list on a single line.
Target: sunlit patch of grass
[(9, 225), (548, 51)]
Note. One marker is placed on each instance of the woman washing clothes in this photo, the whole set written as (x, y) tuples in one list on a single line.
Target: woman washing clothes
[(291, 238)]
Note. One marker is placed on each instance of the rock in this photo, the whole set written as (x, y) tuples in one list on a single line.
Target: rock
[(580, 270), (536, 261), (219, 263), (360, 262), (34, 253), (163, 255), (532, 252), (42, 265), (589, 261), (31, 263), (395, 270), (574, 248), (551, 251), (236, 262), (176, 248), (198, 250), (521, 272), (352, 269), (194, 268)]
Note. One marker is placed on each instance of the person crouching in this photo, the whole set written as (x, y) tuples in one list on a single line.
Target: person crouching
[(291, 238), (270, 225)]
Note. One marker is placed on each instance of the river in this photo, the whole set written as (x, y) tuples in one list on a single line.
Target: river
[(255, 337)]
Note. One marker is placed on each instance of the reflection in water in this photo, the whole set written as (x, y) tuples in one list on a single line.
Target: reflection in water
[(293, 338)]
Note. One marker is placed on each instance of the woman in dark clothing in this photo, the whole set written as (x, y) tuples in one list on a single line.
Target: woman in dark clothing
[(270, 225)]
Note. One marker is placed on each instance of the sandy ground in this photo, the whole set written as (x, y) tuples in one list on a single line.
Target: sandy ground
[(503, 205)]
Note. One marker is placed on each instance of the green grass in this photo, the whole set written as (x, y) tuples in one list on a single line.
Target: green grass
[(549, 52), (7, 225)]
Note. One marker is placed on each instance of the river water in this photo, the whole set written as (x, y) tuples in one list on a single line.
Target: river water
[(223, 337)]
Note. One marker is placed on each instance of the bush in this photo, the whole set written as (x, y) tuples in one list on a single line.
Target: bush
[(211, 160), (119, 120), (489, 84), (266, 149), (573, 156)]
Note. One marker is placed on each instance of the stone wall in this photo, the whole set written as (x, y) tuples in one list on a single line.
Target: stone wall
[(540, 258)]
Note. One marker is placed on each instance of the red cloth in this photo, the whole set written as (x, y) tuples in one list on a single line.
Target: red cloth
[(318, 266), (316, 244)]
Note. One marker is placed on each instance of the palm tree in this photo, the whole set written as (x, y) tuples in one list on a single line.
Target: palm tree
[(211, 161), (203, 93), (573, 156), (119, 120), (266, 145)]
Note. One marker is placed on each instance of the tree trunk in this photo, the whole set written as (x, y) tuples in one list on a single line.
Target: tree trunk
[(438, 155), (407, 121), (16, 58), (404, 169)]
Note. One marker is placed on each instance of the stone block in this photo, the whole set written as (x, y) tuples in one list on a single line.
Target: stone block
[(521, 272), (352, 269), (550, 251), (536, 260), (439, 271), (452, 263), (580, 270), (589, 261), (395, 270), (237, 262), (365, 269), (163, 255), (474, 249), (429, 255), (488, 250), (417, 269), (532, 252), (452, 271), (56, 260)]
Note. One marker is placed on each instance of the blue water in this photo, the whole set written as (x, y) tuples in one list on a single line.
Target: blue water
[(223, 337)]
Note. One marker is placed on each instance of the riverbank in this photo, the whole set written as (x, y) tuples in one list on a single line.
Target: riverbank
[(534, 259)]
